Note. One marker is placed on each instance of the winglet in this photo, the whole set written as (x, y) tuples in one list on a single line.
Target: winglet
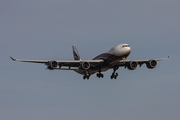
[(169, 56), (12, 58)]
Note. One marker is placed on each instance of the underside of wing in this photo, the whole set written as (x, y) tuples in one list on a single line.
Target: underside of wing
[(59, 64), (132, 64), (32, 61), (75, 64)]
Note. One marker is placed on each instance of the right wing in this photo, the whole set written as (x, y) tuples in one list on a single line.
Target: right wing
[(125, 63)]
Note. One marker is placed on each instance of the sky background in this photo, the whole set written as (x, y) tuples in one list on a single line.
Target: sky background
[(46, 29)]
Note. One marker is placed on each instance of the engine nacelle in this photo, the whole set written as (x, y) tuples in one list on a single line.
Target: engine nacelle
[(151, 64), (132, 65), (52, 65), (85, 65)]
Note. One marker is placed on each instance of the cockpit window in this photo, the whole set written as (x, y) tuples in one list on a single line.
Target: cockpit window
[(125, 46)]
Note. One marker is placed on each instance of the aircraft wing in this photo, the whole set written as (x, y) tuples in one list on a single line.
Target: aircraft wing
[(32, 61), (140, 62), (61, 63)]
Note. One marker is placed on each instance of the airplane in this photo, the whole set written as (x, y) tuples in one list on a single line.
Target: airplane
[(111, 59)]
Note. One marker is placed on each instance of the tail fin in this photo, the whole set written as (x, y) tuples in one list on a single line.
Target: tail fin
[(75, 53)]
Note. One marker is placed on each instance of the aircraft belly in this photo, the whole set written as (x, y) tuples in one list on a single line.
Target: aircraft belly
[(106, 65), (93, 70)]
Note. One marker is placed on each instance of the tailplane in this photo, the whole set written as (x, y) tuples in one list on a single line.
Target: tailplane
[(75, 53)]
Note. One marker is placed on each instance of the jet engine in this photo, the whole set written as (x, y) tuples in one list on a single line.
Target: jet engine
[(52, 65), (132, 65), (85, 65), (151, 64)]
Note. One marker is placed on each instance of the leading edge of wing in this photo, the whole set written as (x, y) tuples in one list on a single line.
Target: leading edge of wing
[(146, 60), (125, 62), (33, 61), (59, 61), (78, 61)]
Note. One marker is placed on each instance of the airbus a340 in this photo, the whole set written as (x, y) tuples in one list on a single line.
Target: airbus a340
[(111, 59)]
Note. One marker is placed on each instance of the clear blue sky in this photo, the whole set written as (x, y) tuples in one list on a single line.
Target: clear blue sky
[(46, 29)]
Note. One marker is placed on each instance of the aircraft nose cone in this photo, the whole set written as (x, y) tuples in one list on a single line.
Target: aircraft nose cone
[(128, 50), (120, 50)]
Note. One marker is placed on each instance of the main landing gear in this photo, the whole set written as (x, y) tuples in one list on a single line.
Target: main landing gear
[(99, 75), (86, 75), (114, 75)]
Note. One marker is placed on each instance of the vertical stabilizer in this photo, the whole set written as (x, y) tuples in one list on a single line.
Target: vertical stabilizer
[(75, 53)]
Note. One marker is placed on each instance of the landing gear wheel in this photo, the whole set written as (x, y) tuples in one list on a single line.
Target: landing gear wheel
[(102, 75), (114, 75), (86, 77), (99, 75)]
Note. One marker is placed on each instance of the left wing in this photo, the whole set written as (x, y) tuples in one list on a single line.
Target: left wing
[(33, 61), (57, 64)]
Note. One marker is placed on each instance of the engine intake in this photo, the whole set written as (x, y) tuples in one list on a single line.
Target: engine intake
[(85, 65), (132, 65), (52, 65), (151, 64)]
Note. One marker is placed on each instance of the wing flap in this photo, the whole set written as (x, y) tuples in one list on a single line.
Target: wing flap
[(76, 63), (74, 68)]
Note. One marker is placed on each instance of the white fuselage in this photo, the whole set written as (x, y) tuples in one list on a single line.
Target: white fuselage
[(110, 58)]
